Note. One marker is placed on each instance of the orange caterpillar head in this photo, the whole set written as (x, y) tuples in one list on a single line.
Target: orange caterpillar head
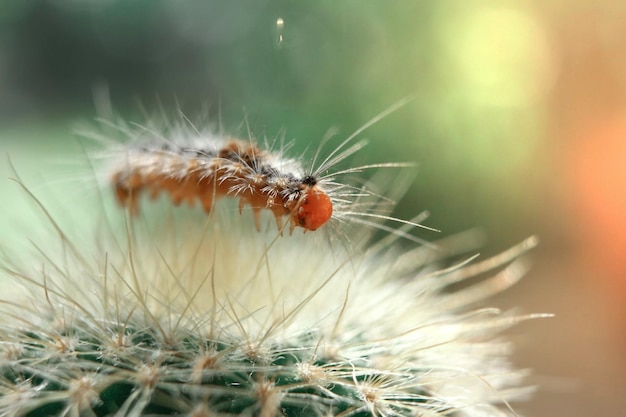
[(313, 210)]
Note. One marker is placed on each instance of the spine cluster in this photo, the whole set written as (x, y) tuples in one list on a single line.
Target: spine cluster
[(179, 322), (127, 371)]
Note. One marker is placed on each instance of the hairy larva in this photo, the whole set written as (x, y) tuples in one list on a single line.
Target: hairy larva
[(209, 168), (191, 165)]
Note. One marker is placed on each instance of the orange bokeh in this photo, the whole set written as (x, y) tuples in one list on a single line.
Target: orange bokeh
[(596, 172)]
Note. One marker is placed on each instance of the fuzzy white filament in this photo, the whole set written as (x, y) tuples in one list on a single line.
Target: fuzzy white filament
[(205, 316), (168, 306)]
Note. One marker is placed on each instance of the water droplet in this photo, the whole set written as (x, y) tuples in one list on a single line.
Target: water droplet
[(280, 25)]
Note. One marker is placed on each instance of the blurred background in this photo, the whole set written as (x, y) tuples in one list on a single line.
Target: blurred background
[(518, 127)]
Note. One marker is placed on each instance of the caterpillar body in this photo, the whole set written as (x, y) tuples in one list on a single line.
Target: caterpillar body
[(191, 165), (205, 170)]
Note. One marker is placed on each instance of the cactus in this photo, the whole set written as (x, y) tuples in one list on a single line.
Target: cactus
[(181, 316)]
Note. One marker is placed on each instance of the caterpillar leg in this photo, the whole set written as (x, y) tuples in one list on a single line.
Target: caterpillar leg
[(206, 200), (179, 190), (154, 193), (127, 190), (127, 198)]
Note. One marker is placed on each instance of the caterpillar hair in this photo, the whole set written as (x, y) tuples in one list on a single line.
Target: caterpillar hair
[(190, 166)]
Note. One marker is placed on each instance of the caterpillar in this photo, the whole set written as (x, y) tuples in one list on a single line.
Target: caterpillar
[(215, 168), (190, 166)]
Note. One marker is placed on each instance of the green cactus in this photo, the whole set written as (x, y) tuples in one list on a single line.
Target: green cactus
[(176, 314), (223, 320)]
